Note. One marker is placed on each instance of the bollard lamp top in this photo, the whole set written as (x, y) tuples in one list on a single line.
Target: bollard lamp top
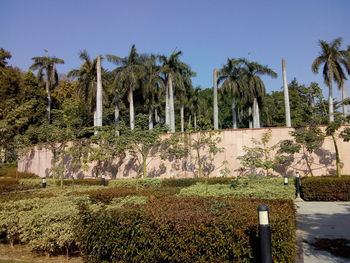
[(263, 208)]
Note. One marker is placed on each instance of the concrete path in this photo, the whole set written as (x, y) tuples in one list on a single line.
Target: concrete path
[(321, 220)]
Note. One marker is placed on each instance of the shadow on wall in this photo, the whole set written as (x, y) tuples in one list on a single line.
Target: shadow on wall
[(326, 160)]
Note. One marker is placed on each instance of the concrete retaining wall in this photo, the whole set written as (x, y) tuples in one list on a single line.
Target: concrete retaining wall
[(38, 160)]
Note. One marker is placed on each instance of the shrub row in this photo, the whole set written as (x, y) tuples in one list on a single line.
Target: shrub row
[(11, 172), (106, 195), (328, 188), (185, 230), (258, 187), (88, 181), (185, 182)]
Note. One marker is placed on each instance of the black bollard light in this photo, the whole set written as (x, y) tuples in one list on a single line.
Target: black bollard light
[(103, 181), (264, 235), (298, 185), (43, 182), (285, 180)]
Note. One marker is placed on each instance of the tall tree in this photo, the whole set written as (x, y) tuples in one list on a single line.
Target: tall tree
[(99, 93), (4, 55), (172, 69), (47, 64), (232, 82), (87, 79), (152, 84), (286, 94), (183, 87), (255, 90), (128, 72), (332, 58), (215, 98)]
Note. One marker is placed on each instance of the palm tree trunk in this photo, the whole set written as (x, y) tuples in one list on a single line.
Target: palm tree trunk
[(48, 92), (150, 119), (182, 115), (345, 107), (156, 116), (131, 109), (215, 102), (254, 114), (195, 120), (167, 108), (250, 117), (234, 115), (99, 93), (257, 111), (116, 113), (95, 118), (189, 121), (171, 103), (286, 95), (330, 101)]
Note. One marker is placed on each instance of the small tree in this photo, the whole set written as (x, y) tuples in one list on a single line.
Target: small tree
[(142, 143), (203, 143), (261, 155)]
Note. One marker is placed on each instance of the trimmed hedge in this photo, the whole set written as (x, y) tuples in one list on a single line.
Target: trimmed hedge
[(327, 188), (106, 195), (185, 182), (89, 181), (185, 230), (9, 171)]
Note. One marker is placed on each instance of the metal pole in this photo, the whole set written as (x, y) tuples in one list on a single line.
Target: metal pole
[(264, 235)]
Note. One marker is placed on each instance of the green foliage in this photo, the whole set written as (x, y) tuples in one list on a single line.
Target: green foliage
[(307, 106), (258, 187), (204, 144), (307, 139), (47, 225), (261, 155), (326, 188), (12, 173), (185, 230)]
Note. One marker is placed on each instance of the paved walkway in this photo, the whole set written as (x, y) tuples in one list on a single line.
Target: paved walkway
[(321, 220)]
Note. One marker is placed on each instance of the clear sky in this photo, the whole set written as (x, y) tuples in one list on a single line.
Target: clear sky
[(207, 31)]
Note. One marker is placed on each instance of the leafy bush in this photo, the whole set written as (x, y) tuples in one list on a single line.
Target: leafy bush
[(9, 184), (132, 182), (9, 171), (89, 181), (46, 225), (185, 182), (106, 195), (326, 188), (257, 187), (185, 230)]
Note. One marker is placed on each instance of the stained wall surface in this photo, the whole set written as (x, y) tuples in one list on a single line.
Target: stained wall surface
[(322, 161)]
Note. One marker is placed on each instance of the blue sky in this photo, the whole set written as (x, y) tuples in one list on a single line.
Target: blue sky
[(208, 32)]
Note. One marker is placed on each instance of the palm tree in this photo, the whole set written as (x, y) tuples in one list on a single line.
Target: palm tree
[(255, 90), (333, 58), (215, 100), (232, 82), (151, 90), (99, 93), (172, 69), (193, 105), (87, 77), (286, 94), (47, 64), (128, 72), (182, 88)]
